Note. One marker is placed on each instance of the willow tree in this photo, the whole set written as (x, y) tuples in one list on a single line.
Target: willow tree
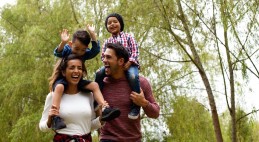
[(182, 39), (192, 125), (30, 32)]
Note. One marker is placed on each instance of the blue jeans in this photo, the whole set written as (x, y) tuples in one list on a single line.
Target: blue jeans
[(132, 75)]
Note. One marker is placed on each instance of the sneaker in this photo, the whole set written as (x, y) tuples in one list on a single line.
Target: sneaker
[(110, 114), (134, 112), (57, 123)]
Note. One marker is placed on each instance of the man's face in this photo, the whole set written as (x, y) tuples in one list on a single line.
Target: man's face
[(78, 48), (111, 63)]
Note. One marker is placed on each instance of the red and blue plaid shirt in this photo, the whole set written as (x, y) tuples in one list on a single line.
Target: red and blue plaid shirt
[(128, 42)]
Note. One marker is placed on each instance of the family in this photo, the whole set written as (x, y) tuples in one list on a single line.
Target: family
[(75, 106)]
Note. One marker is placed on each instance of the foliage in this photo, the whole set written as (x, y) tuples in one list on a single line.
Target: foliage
[(193, 123), (29, 31)]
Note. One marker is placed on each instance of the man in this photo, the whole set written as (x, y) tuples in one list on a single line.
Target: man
[(118, 93)]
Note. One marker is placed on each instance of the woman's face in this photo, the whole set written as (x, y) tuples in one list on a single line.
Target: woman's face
[(73, 72)]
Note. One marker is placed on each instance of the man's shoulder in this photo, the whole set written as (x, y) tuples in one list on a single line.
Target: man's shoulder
[(143, 79)]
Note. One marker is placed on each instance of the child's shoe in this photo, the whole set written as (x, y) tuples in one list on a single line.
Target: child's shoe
[(57, 123), (134, 112), (110, 114)]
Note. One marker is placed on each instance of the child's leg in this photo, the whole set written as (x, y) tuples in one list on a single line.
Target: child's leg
[(94, 87), (108, 113), (133, 77), (58, 90), (99, 76), (57, 94)]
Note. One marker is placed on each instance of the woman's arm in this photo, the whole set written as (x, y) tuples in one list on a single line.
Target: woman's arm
[(45, 120)]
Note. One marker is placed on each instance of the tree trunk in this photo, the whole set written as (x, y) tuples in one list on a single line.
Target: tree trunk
[(203, 75)]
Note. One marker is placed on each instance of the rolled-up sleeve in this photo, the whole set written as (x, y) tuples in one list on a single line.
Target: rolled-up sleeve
[(65, 52)]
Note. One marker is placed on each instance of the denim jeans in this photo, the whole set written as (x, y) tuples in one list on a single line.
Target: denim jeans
[(132, 75), (133, 78)]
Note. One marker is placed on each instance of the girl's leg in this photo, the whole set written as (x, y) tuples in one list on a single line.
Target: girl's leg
[(133, 77)]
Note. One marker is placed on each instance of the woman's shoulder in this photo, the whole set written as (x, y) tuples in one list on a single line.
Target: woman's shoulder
[(49, 96)]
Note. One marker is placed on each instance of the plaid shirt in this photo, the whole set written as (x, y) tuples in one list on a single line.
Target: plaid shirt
[(66, 138), (128, 42)]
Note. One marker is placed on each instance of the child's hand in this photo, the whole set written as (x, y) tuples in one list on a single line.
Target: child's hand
[(90, 28), (127, 65), (64, 36)]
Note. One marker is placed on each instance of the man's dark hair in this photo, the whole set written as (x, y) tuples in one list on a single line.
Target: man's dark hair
[(120, 51), (83, 36)]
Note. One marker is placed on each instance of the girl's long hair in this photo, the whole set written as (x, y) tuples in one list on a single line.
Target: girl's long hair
[(61, 66)]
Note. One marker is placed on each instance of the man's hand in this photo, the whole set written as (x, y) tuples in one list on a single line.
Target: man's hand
[(64, 35), (139, 99)]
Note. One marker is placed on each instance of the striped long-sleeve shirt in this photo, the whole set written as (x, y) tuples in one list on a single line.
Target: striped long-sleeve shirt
[(128, 42), (117, 94)]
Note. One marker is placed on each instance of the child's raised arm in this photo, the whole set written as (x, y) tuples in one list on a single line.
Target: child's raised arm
[(91, 29), (64, 35)]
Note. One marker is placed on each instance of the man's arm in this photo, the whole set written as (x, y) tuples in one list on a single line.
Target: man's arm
[(146, 99)]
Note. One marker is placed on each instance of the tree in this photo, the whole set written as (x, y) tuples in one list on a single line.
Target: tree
[(193, 123)]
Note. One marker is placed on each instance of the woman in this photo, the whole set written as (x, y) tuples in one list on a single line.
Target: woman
[(76, 108)]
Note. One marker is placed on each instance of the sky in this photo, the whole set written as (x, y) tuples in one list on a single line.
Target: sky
[(3, 2)]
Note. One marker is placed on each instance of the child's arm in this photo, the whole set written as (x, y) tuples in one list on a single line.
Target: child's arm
[(64, 35), (63, 48), (91, 29), (95, 50)]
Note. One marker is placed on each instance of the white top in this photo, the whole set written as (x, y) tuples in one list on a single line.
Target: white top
[(77, 112)]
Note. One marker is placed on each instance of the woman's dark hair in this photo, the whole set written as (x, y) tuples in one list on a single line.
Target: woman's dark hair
[(120, 51), (61, 66), (83, 36)]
